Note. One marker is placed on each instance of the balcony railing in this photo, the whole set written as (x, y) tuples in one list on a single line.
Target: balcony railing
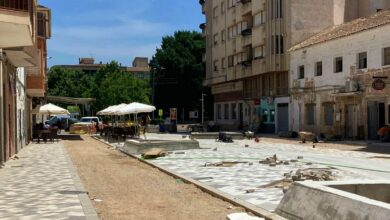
[(16, 5)]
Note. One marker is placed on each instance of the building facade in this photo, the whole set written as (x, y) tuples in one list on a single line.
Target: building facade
[(340, 79), (246, 56), (22, 69)]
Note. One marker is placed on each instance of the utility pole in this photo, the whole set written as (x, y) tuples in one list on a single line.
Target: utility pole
[(202, 99)]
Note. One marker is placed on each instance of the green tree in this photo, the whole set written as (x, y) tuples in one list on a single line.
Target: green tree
[(178, 71), (111, 85), (115, 86)]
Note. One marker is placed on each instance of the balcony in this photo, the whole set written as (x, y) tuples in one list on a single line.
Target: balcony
[(246, 32), (15, 20), (246, 7), (15, 5), (246, 40), (214, 80), (36, 86)]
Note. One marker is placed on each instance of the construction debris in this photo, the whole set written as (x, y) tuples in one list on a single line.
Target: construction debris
[(222, 164), (242, 216), (314, 174), (154, 153), (180, 152), (273, 161)]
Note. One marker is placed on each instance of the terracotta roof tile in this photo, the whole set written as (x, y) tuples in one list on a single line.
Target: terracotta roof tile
[(362, 24)]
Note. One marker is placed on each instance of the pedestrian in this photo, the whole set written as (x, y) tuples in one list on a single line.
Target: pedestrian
[(384, 133)]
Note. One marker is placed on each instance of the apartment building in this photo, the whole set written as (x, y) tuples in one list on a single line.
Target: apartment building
[(340, 79), (247, 59), (24, 29)]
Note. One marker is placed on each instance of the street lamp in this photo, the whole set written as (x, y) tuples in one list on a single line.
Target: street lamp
[(153, 75)]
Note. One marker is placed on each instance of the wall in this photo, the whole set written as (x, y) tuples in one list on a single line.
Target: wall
[(21, 134), (319, 89)]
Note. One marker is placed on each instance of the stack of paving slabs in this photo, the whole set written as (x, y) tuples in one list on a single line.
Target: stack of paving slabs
[(154, 153), (314, 174)]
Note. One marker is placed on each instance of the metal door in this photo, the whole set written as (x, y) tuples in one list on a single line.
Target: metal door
[(372, 120), (351, 122), (283, 118)]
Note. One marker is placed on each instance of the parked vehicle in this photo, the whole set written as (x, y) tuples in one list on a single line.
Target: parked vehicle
[(95, 120), (61, 121)]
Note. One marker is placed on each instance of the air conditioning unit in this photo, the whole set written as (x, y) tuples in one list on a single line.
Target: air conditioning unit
[(351, 85)]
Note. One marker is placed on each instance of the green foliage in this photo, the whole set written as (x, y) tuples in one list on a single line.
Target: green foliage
[(179, 70), (111, 85)]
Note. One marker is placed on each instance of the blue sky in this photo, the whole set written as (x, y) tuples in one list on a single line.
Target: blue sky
[(117, 29)]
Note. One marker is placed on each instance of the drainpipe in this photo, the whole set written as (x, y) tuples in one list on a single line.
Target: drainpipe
[(2, 145)]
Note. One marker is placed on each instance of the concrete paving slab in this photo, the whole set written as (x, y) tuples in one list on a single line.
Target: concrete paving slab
[(43, 184), (241, 177)]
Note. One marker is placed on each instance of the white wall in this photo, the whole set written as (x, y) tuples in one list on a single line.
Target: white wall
[(21, 119), (372, 42)]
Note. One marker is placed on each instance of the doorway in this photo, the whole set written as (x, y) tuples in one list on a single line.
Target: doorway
[(375, 118), (282, 117), (351, 119)]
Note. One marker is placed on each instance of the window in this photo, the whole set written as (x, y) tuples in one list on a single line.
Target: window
[(219, 112), (226, 113), (41, 20), (328, 113), (259, 19), (234, 111), (215, 39), (223, 63), (301, 72), (232, 3), (216, 64), (223, 36), (310, 114), (215, 11), (223, 9), (338, 65), (277, 44), (362, 60), (258, 52), (386, 56), (318, 69), (276, 9), (230, 61)]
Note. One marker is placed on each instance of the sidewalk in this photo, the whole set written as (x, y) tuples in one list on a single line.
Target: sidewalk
[(43, 184)]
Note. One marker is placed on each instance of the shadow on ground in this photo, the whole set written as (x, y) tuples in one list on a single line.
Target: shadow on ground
[(70, 137)]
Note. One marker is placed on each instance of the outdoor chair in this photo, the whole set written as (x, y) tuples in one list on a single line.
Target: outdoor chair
[(53, 134)]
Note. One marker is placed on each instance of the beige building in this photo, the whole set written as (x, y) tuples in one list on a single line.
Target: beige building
[(246, 55), (340, 79), (24, 29)]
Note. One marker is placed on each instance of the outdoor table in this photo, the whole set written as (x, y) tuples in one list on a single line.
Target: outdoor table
[(44, 134)]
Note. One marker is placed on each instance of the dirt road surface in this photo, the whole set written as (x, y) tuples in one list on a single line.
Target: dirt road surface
[(124, 188)]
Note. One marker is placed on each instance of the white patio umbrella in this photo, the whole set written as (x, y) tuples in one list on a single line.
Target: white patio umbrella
[(115, 109), (50, 109), (135, 108), (104, 111)]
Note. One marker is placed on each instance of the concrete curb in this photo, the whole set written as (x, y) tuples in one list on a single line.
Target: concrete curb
[(210, 190), (89, 210)]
